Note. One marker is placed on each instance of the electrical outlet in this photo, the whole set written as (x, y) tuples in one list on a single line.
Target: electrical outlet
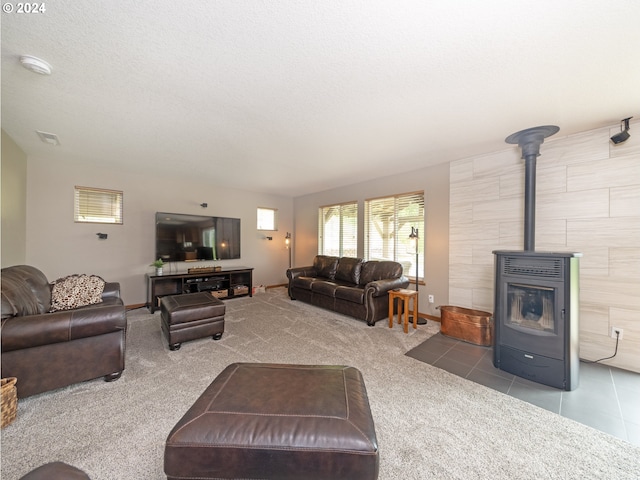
[(616, 333), (432, 299)]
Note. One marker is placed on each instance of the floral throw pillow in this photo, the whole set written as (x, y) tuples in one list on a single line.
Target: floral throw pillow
[(76, 291)]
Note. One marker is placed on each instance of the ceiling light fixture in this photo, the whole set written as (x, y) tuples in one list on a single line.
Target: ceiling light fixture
[(35, 65), (623, 136)]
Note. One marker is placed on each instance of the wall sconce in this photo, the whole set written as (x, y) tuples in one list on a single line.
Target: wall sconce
[(204, 204), (102, 236), (623, 136), (267, 238)]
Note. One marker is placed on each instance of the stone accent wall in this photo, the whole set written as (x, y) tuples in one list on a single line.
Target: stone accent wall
[(588, 201)]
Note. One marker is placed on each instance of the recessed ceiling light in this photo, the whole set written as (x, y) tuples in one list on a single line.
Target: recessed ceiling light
[(35, 65)]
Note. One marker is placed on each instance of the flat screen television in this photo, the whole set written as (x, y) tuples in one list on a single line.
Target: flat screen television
[(189, 238)]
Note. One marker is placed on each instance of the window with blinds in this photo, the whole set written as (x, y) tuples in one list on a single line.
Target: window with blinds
[(97, 205), (267, 219), (388, 223), (338, 230)]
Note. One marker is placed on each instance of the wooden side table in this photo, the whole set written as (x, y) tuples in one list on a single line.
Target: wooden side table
[(404, 295)]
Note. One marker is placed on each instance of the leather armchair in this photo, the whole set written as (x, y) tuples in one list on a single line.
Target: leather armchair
[(46, 351)]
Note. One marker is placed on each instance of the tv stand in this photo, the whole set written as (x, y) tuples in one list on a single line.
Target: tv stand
[(226, 283)]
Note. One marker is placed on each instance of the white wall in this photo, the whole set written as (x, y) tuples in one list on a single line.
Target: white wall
[(435, 183), (14, 203), (59, 246), (588, 201)]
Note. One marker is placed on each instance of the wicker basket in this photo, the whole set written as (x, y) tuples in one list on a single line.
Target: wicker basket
[(220, 293), (9, 400), (240, 290)]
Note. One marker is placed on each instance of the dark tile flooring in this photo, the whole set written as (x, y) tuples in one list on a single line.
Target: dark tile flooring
[(607, 399)]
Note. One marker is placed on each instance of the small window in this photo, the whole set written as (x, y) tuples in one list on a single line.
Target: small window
[(267, 219), (97, 205)]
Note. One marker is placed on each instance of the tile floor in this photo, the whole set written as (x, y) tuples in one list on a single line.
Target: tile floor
[(607, 399)]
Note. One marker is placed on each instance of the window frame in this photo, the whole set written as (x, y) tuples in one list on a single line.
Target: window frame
[(98, 205), (347, 226), (274, 220), (393, 238)]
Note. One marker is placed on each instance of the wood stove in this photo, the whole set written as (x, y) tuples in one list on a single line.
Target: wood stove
[(536, 295), (536, 316)]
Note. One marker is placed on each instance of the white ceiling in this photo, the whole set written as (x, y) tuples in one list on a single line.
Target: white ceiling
[(292, 97)]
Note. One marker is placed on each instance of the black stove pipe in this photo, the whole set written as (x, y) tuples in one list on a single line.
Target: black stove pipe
[(529, 141), (530, 203)]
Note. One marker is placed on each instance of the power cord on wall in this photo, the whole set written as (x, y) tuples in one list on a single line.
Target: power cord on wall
[(607, 358)]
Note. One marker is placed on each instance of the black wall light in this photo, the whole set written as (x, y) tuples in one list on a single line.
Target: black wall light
[(204, 205), (102, 236), (623, 136)]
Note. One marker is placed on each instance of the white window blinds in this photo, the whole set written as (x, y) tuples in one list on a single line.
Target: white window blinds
[(267, 219), (338, 230), (388, 223), (97, 205)]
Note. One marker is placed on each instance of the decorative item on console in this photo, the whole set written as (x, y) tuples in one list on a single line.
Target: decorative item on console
[(204, 269), (158, 264)]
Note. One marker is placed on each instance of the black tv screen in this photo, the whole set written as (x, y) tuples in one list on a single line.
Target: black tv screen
[(189, 238)]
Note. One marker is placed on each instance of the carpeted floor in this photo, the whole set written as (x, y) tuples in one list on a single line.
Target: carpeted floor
[(429, 423)]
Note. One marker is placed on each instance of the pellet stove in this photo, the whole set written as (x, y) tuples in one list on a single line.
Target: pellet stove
[(536, 295)]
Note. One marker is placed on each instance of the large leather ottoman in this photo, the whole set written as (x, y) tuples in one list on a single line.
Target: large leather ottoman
[(273, 421), (56, 471), (191, 316)]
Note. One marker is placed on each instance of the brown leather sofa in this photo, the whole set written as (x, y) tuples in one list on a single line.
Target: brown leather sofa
[(45, 351), (347, 285)]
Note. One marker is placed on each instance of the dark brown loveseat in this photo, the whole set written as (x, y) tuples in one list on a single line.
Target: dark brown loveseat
[(46, 350), (347, 285)]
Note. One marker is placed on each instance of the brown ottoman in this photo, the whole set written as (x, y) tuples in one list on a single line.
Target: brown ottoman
[(272, 421), (191, 316), (56, 471)]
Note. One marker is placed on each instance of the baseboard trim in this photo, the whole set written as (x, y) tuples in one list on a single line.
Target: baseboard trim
[(135, 306)]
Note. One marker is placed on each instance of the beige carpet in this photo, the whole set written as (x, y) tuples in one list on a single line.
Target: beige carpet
[(429, 423)]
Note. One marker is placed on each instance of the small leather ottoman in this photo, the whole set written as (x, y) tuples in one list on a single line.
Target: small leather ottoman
[(191, 316), (274, 421)]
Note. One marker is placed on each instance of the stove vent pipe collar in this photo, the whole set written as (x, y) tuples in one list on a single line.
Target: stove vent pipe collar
[(529, 141)]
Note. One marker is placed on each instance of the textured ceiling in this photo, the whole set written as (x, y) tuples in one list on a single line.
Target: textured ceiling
[(293, 97)]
